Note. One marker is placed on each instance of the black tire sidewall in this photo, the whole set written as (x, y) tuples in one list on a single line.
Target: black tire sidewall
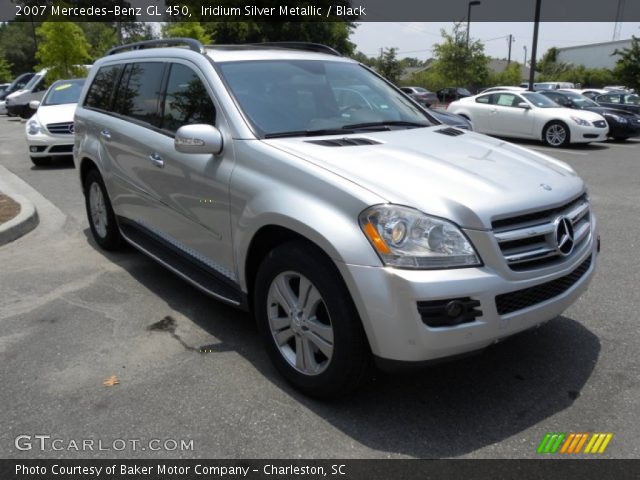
[(351, 353), (112, 240)]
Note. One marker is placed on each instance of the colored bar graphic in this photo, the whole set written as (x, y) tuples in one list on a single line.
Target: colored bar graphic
[(573, 443)]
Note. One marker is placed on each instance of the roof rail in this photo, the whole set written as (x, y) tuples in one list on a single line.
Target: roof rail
[(193, 44), (307, 46)]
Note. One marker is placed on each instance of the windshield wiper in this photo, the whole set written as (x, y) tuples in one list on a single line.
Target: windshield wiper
[(309, 133), (388, 123)]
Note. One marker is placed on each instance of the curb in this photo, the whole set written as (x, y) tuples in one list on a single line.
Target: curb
[(22, 223)]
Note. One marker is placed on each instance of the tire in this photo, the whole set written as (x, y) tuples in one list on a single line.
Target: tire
[(556, 134), (26, 113), (327, 328), (620, 139), (41, 161), (102, 220)]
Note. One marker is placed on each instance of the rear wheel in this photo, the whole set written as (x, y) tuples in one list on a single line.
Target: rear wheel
[(556, 134), (308, 322), (102, 220)]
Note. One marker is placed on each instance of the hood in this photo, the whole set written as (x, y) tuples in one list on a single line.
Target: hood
[(615, 111), (47, 114), (467, 178)]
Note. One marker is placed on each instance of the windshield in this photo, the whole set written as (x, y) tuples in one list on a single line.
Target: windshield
[(34, 80), (464, 91), (581, 101), (64, 91), (306, 97), (540, 100)]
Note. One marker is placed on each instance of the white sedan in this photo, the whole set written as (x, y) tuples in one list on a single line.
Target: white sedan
[(530, 115), (50, 131)]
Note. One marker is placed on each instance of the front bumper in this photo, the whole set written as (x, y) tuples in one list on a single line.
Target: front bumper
[(47, 145), (387, 299), (584, 134), (624, 129)]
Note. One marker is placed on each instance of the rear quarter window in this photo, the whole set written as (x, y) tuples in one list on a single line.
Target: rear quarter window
[(101, 90)]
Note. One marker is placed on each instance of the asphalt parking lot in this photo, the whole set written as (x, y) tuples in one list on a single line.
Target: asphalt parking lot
[(189, 368)]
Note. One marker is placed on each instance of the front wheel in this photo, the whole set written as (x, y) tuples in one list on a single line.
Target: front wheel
[(556, 134), (308, 322), (102, 220)]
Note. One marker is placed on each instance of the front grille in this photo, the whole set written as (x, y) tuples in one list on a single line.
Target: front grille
[(61, 149), (65, 128), (531, 240), (527, 297), (600, 123)]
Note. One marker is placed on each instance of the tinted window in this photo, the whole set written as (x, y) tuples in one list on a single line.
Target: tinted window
[(99, 94), (186, 101), (139, 92)]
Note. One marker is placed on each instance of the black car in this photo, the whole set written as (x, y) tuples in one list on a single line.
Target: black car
[(621, 100), (622, 124), (451, 94), (452, 119), (421, 95), (16, 85)]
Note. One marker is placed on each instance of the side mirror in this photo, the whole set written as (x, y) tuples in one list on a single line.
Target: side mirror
[(524, 105), (34, 104), (198, 138)]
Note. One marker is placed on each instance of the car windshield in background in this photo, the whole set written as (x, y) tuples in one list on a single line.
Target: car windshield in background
[(464, 91), (540, 101), (312, 97), (35, 79), (581, 101), (66, 91)]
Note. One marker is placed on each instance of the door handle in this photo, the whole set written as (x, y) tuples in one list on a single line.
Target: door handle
[(156, 160), (106, 134)]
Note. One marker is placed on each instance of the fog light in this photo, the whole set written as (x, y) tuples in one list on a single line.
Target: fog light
[(33, 149)]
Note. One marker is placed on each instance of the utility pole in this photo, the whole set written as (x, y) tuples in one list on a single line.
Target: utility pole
[(524, 68), (509, 56), (534, 46), (471, 4)]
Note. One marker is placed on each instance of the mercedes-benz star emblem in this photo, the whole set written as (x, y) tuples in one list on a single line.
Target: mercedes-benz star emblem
[(564, 235)]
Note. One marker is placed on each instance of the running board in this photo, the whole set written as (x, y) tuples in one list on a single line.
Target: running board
[(194, 271)]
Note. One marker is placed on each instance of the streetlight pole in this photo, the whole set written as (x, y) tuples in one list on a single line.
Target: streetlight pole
[(510, 40), (474, 2), (534, 46), (524, 67)]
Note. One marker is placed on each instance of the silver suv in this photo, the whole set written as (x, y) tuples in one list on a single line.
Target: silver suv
[(352, 230)]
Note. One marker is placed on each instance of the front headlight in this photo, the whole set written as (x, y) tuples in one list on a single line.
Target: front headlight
[(581, 121), (616, 118), (407, 238), (33, 127)]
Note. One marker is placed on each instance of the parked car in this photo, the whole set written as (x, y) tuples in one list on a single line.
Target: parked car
[(19, 82), (17, 103), (622, 101), (451, 94), (622, 124), (50, 131), (617, 88), (590, 93), (3, 87), (551, 85), (421, 95), (350, 234), (452, 119), (530, 115)]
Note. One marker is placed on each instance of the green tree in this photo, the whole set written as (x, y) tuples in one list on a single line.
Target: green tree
[(16, 41), (627, 68), (511, 75), (186, 29), (5, 70), (63, 49), (550, 68), (457, 64), (100, 37), (389, 66), (362, 58)]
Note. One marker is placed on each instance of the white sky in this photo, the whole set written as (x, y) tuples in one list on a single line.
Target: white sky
[(416, 39)]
